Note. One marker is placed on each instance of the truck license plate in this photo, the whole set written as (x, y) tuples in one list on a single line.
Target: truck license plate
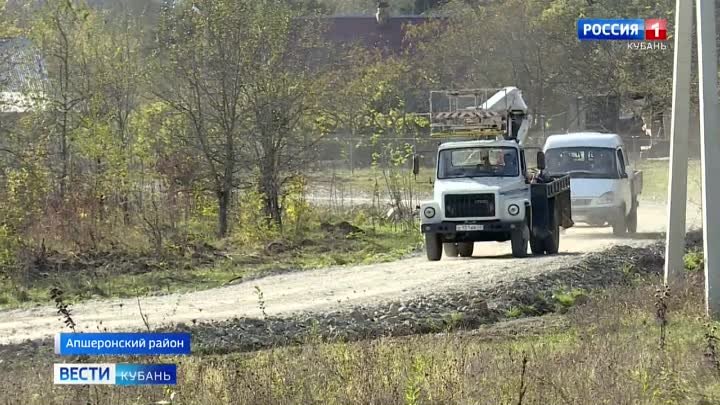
[(470, 227)]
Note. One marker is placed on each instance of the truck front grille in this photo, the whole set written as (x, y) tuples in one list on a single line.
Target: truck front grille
[(469, 205)]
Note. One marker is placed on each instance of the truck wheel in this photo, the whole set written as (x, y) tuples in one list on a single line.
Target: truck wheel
[(466, 249), (451, 249), (632, 219), (433, 246), (519, 241), (552, 242), (619, 224), (537, 246)]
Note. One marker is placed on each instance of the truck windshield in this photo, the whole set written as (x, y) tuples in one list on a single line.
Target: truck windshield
[(478, 162), (582, 162)]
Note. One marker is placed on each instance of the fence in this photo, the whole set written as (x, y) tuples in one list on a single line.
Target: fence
[(352, 172)]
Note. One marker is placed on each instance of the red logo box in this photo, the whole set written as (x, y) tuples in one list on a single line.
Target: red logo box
[(656, 29)]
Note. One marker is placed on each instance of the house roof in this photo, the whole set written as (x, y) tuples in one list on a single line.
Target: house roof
[(367, 32)]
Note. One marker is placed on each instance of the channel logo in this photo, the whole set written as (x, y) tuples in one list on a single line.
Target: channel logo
[(115, 374), (594, 29)]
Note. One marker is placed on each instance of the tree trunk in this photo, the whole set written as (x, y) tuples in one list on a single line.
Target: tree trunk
[(223, 209), (270, 190)]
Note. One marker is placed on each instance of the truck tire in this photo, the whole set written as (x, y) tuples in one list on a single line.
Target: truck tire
[(451, 249), (537, 246), (619, 224), (519, 241), (632, 219), (552, 242), (433, 246), (466, 249)]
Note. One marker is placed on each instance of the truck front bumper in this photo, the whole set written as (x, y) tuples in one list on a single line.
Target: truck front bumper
[(475, 231)]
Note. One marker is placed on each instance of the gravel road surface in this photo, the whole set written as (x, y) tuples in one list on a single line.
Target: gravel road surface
[(333, 289)]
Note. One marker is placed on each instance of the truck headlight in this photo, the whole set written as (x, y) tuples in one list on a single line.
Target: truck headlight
[(429, 212), (607, 198), (513, 209)]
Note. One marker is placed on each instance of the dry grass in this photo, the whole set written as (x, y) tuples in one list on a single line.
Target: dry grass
[(604, 352)]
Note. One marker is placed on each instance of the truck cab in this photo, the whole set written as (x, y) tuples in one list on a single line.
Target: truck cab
[(482, 191), (480, 194), (605, 188)]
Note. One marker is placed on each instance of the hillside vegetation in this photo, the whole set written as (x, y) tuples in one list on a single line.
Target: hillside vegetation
[(160, 129)]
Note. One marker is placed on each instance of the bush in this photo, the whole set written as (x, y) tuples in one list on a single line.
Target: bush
[(694, 261)]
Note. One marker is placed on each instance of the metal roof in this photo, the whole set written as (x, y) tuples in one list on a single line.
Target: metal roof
[(583, 139), (21, 66), (22, 75)]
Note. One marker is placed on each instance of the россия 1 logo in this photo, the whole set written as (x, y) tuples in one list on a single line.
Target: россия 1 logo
[(594, 29)]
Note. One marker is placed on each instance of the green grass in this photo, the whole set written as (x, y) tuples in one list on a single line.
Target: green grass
[(316, 250), (365, 180), (694, 261), (655, 180), (606, 351)]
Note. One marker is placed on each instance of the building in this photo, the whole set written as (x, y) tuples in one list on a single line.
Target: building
[(381, 31), (22, 76)]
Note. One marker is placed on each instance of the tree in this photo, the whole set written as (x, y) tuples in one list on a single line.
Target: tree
[(202, 75), (59, 31), (113, 66), (287, 98)]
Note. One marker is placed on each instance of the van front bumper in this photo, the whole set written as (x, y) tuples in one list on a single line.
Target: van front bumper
[(595, 214)]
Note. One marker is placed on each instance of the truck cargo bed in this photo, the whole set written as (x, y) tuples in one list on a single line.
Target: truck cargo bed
[(551, 202)]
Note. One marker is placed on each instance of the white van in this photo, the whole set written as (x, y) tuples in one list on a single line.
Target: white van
[(604, 188)]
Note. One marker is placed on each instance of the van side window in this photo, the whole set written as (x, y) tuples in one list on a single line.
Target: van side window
[(621, 161)]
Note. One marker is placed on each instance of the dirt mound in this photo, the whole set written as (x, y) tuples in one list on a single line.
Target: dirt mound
[(42, 263), (341, 229)]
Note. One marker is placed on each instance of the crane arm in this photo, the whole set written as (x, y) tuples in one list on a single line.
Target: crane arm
[(504, 111)]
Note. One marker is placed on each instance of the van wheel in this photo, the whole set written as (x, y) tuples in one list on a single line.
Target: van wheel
[(620, 224), (519, 241), (466, 249), (433, 246), (451, 249), (632, 219)]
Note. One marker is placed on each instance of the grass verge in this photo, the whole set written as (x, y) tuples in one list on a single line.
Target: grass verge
[(611, 349), (98, 275), (655, 180)]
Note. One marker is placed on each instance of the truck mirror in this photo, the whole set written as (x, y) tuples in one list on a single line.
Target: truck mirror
[(416, 164), (541, 160)]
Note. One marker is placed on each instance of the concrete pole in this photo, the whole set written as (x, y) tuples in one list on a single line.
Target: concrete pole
[(708, 70), (677, 183)]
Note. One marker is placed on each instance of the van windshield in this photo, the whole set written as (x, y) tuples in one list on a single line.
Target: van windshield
[(478, 162), (582, 162)]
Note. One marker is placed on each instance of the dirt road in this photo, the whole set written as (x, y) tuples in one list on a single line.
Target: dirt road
[(333, 288)]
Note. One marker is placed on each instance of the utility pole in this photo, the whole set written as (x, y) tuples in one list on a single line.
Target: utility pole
[(677, 182), (707, 76), (710, 145)]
